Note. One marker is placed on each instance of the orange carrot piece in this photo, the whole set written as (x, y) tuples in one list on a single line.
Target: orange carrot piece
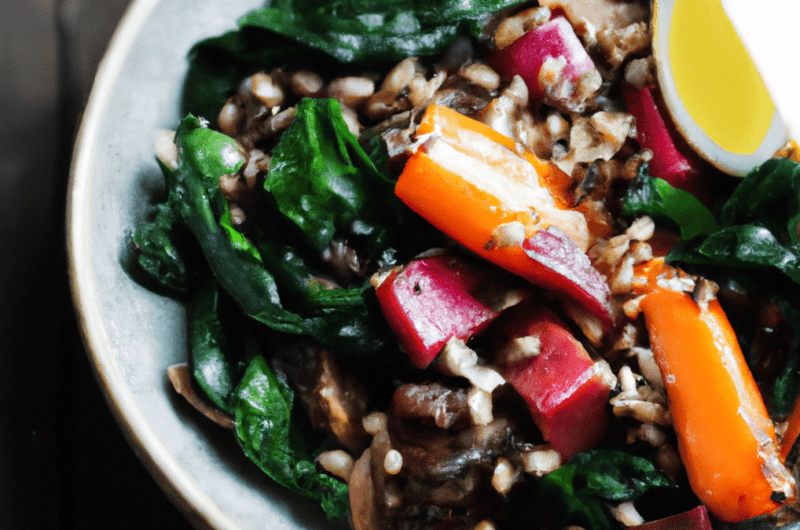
[(725, 437), (451, 125), (481, 189), (466, 166)]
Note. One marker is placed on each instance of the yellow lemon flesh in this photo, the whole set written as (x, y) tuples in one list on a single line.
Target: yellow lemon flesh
[(711, 87)]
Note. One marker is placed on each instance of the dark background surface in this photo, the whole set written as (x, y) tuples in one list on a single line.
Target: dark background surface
[(64, 462)]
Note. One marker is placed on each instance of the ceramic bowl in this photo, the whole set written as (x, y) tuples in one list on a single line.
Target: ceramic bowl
[(132, 334)]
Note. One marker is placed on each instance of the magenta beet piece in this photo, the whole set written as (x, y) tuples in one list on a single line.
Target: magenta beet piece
[(672, 160), (695, 519), (561, 266), (431, 300), (564, 389), (525, 57)]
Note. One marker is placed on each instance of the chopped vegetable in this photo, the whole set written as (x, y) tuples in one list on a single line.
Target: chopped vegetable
[(661, 200), (695, 519), (553, 63), (672, 161), (565, 390), (431, 300), (560, 266), (269, 437), (577, 492), (469, 182), (725, 437)]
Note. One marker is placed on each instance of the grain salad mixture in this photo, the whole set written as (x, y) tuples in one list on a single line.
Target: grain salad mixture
[(451, 266)]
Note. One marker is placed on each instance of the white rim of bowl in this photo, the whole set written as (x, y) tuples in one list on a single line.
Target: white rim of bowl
[(176, 482)]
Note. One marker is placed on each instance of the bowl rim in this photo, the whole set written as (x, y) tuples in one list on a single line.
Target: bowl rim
[(184, 492)]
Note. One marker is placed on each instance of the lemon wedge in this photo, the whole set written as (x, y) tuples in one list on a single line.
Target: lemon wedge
[(711, 87)]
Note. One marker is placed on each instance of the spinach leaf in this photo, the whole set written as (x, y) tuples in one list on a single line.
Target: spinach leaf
[(210, 351), (580, 487), (658, 199), (769, 197), (292, 34), (322, 179), (749, 246), (787, 386), (205, 155), (340, 320), (266, 432), (757, 226), (158, 253), (370, 31), (300, 282)]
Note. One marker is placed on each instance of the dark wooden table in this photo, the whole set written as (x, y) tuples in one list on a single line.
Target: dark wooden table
[(63, 461)]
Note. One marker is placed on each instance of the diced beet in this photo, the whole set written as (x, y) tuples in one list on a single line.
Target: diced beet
[(672, 160), (431, 300), (563, 388), (695, 519), (552, 40), (561, 266)]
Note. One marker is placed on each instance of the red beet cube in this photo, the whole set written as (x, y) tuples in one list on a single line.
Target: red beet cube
[(553, 40), (565, 390), (559, 265), (431, 300), (672, 160), (696, 519)]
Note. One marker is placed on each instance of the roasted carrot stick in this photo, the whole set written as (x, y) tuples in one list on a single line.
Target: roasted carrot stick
[(725, 437), (478, 187), (452, 126)]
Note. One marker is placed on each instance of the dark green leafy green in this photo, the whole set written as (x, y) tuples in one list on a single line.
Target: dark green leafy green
[(299, 280), (205, 155), (746, 246), (787, 386), (269, 437), (237, 264), (158, 252), (211, 366), (658, 199), (579, 488), (370, 31), (323, 180), (292, 34), (757, 227), (769, 197)]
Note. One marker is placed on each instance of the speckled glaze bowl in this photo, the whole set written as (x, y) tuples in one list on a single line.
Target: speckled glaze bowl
[(132, 334)]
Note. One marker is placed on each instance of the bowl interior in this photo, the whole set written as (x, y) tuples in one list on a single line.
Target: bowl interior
[(131, 333)]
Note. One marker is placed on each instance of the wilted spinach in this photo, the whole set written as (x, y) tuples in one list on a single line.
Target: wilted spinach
[(322, 179), (658, 199), (293, 34), (368, 31), (241, 279), (269, 437), (578, 490)]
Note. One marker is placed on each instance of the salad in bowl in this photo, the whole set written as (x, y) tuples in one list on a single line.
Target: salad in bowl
[(452, 266)]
